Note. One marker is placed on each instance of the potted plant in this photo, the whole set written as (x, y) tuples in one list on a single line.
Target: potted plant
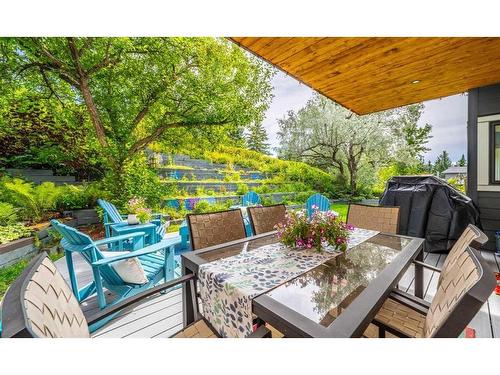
[(321, 230), (138, 212)]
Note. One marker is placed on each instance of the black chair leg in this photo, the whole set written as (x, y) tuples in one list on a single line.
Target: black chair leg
[(381, 332)]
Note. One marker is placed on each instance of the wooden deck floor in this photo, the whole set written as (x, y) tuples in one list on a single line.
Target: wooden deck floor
[(161, 316)]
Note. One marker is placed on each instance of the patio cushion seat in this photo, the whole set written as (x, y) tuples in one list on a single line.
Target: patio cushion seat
[(130, 270), (398, 316), (275, 334), (198, 329)]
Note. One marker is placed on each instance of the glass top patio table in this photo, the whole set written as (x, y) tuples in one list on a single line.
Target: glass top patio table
[(335, 299)]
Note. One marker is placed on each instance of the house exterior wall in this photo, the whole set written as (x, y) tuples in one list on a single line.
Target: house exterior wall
[(483, 108)]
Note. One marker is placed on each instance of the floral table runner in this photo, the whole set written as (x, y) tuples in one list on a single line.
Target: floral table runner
[(227, 286)]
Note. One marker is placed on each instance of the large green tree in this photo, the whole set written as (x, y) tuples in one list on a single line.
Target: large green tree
[(462, 162), (257, 139), (331, 137), (134, 91), (443, 162)]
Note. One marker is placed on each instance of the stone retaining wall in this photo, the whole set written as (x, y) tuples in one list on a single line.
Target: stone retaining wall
[(24, 248), (192, 186)]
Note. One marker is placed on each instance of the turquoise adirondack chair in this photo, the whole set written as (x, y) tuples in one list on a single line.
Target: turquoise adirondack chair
[(157, 260), (250, 199), (112, 217), (320, 202)]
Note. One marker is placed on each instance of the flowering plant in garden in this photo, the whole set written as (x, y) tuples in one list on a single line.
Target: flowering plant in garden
[(323, 228), (137, 206)]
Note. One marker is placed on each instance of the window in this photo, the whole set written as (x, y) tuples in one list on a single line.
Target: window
[(495, 153)]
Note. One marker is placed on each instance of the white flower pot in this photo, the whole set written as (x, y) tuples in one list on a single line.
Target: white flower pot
[(132, 219)]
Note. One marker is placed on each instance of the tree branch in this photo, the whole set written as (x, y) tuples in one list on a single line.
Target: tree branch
[(88, 42), (87, 95), (105, 62), (49, 85)]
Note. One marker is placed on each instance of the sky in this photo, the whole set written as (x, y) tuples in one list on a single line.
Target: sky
[(448, 116)]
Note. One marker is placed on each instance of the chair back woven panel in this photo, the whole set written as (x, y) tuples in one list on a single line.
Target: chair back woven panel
[(215, 228), (265, 218), (383, 219), (465, 239), (51, 309), (459, 274), (456, 280)]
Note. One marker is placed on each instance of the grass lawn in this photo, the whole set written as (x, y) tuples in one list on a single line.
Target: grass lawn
[(10, 273), (173, 228), (341, 208)]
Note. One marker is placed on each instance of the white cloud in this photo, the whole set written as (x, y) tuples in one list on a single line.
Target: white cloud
[(448, 117), (289, 94)]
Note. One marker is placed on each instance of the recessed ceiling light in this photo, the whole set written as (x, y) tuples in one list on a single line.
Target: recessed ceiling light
[(416, 81)]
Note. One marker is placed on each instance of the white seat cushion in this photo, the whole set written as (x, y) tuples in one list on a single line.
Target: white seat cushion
[(130, 270)]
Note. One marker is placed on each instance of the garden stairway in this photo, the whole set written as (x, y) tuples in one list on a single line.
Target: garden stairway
[(193, 175)]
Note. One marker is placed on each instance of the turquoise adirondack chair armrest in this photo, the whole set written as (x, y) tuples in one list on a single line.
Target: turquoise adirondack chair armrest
[(115, 224), (131, 254), (123, 237)]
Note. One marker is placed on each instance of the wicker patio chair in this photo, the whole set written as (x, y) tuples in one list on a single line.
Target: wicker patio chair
[(215, 228), (40, 304), (464, 285), (263, 219), (384, 219)]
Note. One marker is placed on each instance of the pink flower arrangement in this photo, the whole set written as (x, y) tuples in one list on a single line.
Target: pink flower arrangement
[(321, 228), (137, 206)]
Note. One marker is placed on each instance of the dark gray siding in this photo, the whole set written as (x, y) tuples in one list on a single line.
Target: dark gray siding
[(472, 101), (483, 101), (489, 206)]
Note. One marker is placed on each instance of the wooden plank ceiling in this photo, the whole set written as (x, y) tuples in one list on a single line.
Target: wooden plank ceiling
[(368, 75)]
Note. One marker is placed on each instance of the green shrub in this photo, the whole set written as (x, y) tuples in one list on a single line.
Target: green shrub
[(262, 189), (8, 214), (203, 207), (301, 197), (457, 185), (139, 180), (231, 175), (200, 191), (173, 213), (242, 189), (34, 202), (267, 201), (13, 232), (357, 198), (79, 197)]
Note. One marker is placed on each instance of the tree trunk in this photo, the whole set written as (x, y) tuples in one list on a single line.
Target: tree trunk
[(353, 182)]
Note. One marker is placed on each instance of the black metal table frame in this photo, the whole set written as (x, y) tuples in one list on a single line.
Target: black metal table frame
[(354, 319)]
